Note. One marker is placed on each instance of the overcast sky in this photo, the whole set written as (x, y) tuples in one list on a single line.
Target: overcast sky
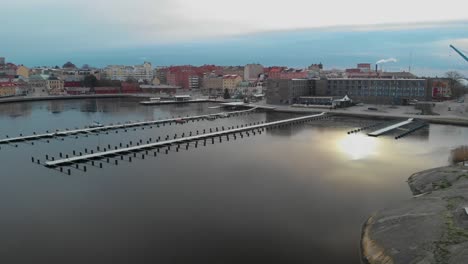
[(40, 31)]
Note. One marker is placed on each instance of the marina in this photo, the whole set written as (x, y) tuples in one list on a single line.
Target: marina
[(101, 128), (123, 151), (176, 101)]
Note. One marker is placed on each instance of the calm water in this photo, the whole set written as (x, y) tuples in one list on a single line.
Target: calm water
[(292, 195)]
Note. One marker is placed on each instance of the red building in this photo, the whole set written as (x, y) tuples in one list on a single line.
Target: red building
[(363, 70), (440, 89), (274, 72), (179, 75), (107, 90), (130, 88), (72, 84), (77, 90)]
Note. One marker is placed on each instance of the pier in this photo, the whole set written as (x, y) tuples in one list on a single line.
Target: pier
[(65, 133), (168, 102), (177, 141), (390, 128)]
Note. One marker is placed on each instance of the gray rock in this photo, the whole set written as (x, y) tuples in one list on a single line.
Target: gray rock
[(430, 228)]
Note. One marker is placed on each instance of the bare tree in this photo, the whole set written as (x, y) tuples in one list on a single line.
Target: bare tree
[(454, 83)]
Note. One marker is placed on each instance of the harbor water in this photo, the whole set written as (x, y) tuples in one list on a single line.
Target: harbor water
[(297, 194)]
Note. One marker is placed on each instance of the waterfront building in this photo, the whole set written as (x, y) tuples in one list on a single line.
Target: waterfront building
[(8, 89), (230, 82), (379, 91), (160, 89), (38, 83), (252, 72), (77, 90), (281, 91), (55, 86), (107, 90), (130, 87)]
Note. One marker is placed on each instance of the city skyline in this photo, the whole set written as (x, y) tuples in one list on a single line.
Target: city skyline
[(206, 32)]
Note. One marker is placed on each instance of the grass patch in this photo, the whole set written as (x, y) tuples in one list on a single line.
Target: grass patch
[(453, 234), (442, 184), (462, 176)]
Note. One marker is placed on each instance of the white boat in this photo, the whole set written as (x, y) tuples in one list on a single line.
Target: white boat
[(95, 125)]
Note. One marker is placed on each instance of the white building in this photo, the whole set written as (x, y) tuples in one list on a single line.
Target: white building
[(252, 72), (194, 82), (139, 72)]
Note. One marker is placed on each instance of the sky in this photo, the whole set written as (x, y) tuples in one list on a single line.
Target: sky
[(338, 33)]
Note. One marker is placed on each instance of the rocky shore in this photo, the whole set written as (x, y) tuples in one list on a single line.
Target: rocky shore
[(432, 227)]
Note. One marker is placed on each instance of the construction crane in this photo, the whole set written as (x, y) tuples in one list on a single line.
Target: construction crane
[(459, 52)]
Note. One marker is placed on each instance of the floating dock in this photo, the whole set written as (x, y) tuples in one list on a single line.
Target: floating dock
[(242, 104), (390, 128), (176, 141), (65, 133), (168, 102)]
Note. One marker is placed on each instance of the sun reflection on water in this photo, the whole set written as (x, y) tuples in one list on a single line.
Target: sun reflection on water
[(358, 146)]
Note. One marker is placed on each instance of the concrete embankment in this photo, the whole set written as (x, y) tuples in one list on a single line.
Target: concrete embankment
[(443, 120), (430, 228)]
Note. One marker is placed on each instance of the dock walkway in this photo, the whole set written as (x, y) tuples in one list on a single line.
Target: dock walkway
[(125, 151), (65, 133), (390, 128), (154, 102)]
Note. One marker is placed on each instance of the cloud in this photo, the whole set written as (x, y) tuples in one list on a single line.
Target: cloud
[(114, 23)]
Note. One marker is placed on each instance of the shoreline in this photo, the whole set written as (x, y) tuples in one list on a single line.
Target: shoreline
[(433, 119), (19, 99)]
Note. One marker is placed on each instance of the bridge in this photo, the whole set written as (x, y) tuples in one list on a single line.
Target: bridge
[(177, 141)]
